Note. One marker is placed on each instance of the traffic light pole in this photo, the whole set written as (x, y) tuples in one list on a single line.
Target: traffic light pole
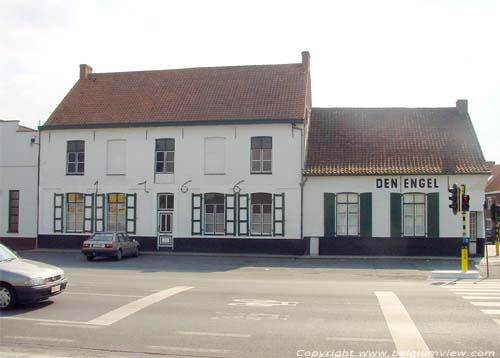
[(465, 247)]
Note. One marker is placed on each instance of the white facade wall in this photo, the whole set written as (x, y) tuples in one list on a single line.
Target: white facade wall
[(450, 225), (18, 171), (189, 166)]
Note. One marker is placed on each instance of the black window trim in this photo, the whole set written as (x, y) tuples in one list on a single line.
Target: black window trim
[(10, 213), (165, 161)]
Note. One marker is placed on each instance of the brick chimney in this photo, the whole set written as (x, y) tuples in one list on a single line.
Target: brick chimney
[(306, 58), (85, 71), (461, 106)]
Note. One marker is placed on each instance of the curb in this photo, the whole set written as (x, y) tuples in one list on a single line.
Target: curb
[(295, 257)]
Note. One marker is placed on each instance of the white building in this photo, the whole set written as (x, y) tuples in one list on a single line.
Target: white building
[(18, 184), (378, 179), (181, 159)]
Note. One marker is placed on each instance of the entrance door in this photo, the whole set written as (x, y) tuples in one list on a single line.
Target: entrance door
[(165, 220), (165, 229)]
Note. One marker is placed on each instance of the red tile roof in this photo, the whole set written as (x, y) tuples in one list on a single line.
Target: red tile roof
[(376, 141), (183, 95), (493, 184)]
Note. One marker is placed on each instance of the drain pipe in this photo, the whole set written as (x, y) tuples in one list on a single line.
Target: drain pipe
[(302, 180)]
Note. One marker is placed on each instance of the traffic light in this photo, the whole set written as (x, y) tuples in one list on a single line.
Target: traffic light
[(494, 212), (454, 203), (465, 202)]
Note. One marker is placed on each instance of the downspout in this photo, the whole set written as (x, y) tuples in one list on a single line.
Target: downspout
[(302, 181), (38, 189)]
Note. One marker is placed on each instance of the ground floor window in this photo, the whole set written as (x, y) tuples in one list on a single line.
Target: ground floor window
[(261, 220), (214, 214), (414, 214), (347, 214), (13, 211), (74, 212), (473, 225), (116, 213)]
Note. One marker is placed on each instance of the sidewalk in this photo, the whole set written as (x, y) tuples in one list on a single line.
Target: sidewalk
[(493, 262)]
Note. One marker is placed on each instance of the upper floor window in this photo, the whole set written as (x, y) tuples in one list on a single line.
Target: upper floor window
[(13, 211), (347, 214), (165, 154), (261, 155), (414, 214), (215, 155), (74, 212), (75, 158), (214, 214)]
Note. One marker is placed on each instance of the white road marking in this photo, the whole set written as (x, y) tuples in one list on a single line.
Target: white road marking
[(491, 311), (187, 349), (478, 289), (232, 335), (486, 304), (101, 294), (118, 314), (478, 293), (41, 320), (358, 339), (72, 325), (404, 333), (48, 339), (252, 302), (481, 297)]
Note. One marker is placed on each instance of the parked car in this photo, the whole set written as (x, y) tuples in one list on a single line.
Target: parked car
[(27, 281), (110, 244)]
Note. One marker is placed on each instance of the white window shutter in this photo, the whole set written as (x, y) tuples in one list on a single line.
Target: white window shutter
[(243, 214)]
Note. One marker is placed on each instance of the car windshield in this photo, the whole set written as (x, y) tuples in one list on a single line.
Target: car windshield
[(6, 254), (102, 237)]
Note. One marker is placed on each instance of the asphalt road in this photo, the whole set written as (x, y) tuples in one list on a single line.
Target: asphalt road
[(196, 306)]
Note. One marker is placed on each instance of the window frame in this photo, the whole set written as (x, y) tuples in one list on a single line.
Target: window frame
[(214, 215), (348, 204), (76, 162), (261, 214), (414, 204), (165, 153), (116, 215), (74, 215), (261, 159), (11, 215)]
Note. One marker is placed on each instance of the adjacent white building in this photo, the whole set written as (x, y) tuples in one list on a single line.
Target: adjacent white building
[(378, 179), (18, 184)]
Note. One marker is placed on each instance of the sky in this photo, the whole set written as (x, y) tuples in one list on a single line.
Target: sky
[(363, 53)]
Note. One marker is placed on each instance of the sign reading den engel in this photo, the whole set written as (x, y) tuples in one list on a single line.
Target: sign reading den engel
[(406, 183)]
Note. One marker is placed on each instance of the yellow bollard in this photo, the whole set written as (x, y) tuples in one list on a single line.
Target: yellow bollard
[(465, 259), (497, 247)]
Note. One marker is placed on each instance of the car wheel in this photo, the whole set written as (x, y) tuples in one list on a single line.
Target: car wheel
[(119, 255), (90, 257), (7, 297), (136, 252)]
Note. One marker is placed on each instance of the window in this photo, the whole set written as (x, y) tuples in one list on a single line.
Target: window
[(215, 155), (262, 217), (74, 212), (13, 211), (165, 153), (116, 212), (261, 155), (473, 225), (414, 214), (75, 160), (214, 214), (165, 201), (116, 160), (347, 214)]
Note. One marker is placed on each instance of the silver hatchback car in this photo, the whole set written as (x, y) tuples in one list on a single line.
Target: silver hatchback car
[(110, 244), (26, 281)]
